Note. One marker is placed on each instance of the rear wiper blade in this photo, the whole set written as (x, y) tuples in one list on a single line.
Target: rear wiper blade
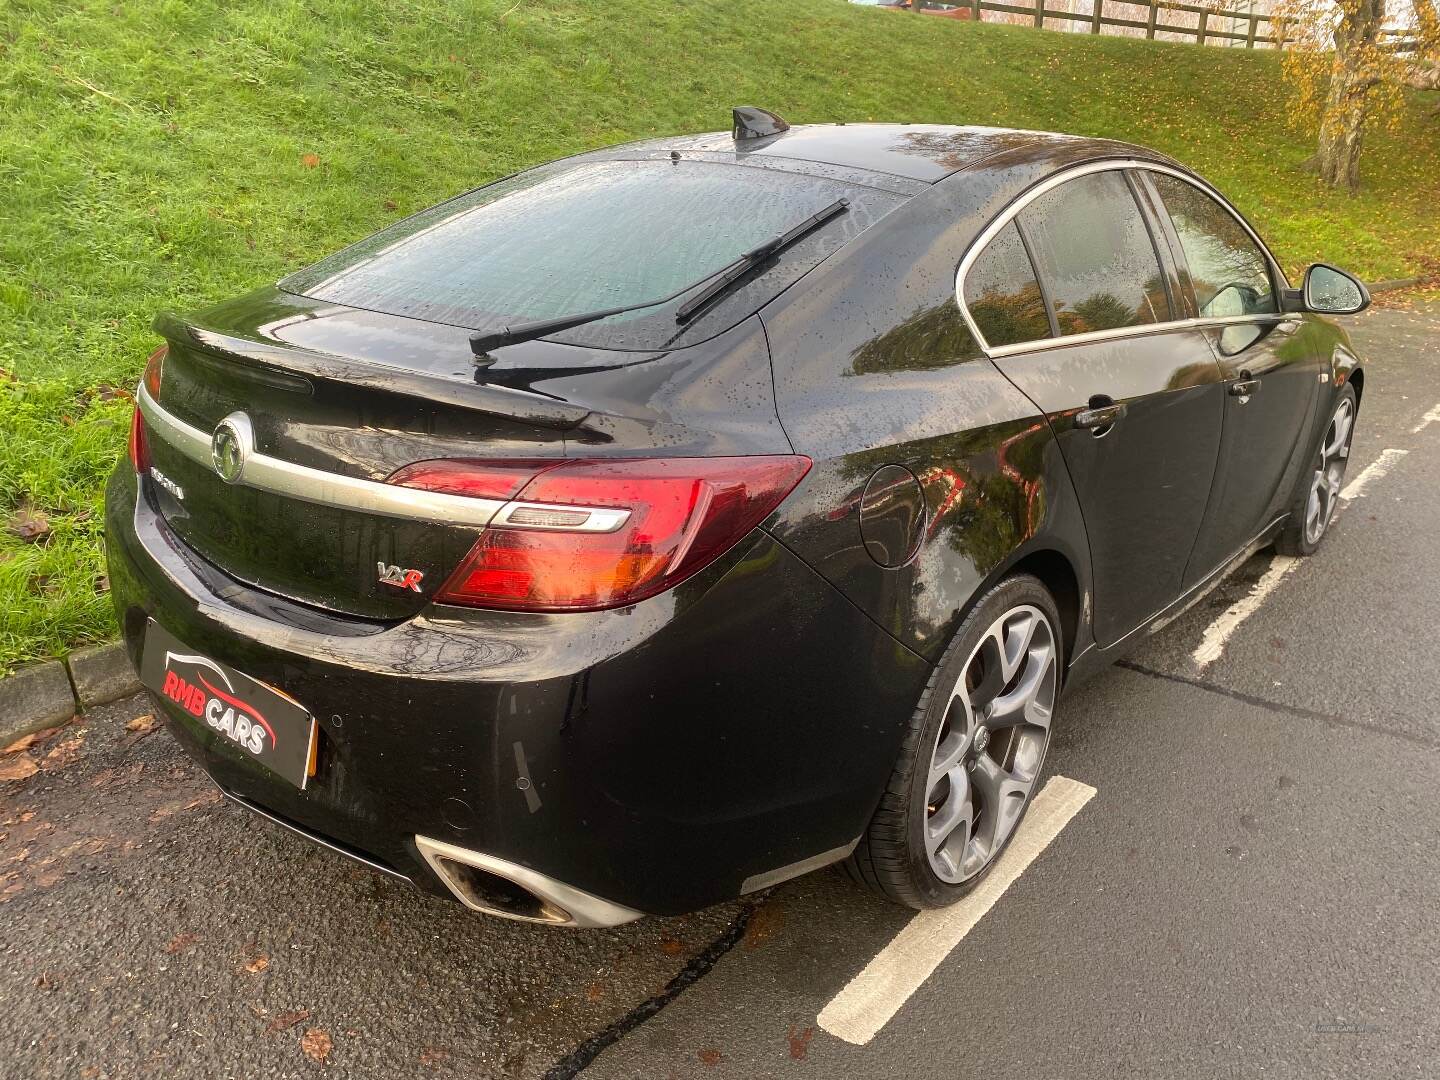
[(482, 343), (754, 257)]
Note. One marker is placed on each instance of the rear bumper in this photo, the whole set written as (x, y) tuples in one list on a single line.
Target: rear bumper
[(659, 757)]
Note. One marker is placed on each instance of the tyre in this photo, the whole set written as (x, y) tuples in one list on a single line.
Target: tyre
[(1318, 491), (972, 754)]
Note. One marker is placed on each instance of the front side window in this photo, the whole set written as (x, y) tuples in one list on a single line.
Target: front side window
[(1002, 295), (1230, 273), (1095, 255)]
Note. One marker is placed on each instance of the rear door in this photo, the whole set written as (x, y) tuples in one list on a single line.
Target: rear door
[(1271, 373), (1134, 395)]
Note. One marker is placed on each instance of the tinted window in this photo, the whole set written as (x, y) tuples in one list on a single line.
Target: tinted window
[(1229, 271), (577, 237), (1095, 255), (1002, 294)]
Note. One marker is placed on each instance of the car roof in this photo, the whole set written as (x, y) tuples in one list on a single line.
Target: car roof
[(926, 153)]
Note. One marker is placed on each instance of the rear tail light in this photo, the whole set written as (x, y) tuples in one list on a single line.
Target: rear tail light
[(592, 534), (139, 444)]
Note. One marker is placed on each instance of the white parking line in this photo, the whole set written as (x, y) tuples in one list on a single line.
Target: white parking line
[(1212, 644), (1376, 469), (1426, 420), (868, 1002)]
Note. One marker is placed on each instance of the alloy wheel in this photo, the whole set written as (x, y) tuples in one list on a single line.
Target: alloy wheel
[(1324, 493), (991, 745)]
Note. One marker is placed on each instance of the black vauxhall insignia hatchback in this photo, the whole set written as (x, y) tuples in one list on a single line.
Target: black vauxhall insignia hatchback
[(655, 525)]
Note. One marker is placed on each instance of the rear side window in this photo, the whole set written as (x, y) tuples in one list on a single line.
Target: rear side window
[(1230, 273), (580, 236), (1002, 295), (1095, 255)]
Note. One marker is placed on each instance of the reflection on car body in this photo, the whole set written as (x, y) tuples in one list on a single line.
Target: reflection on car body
[(597, 615)]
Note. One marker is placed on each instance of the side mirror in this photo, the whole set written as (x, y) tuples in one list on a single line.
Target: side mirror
[(1331, 291)]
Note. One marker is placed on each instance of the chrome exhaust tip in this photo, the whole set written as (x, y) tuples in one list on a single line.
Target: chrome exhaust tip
[(497, 887)]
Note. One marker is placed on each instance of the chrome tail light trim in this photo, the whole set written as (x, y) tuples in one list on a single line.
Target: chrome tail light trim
[(279, 477)]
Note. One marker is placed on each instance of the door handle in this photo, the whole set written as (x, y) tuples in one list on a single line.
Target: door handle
[(1100, 417), (1243, 388)]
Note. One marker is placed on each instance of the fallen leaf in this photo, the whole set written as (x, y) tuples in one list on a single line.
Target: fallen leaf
[(257, 965), (764, 924), (65, 753), (286, 1019), (18, 768), (310, 160), (22, 743), (800, 1044), (391, 204), (181, 942), (594, 992), (711, 1056), (672, 947), (29, 525), (140, 723), (120, 775), (44, 734), (431, 1057), (316, 1044), (90, 1072), (160, 813)]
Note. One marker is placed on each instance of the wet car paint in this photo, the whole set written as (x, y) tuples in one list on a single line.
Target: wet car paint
[(747, 720)]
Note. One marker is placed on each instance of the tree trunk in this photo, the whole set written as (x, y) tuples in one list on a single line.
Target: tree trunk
[(1342, 128)]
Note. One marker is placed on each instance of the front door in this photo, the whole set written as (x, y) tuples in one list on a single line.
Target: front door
[(1271, 372)]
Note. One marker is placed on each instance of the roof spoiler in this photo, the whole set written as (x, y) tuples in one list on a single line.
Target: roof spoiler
[(753, 123), (304, 364)]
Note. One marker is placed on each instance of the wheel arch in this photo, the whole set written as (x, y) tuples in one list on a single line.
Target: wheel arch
[(1356, 378), (1055, 571)]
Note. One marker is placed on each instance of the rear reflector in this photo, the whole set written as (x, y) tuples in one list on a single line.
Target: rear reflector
[(139, 444), (592, 534)]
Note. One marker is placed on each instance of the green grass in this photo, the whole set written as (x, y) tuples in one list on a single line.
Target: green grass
[(166, 154)]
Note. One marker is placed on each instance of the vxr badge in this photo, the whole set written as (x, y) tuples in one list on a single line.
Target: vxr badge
[(399, 577)]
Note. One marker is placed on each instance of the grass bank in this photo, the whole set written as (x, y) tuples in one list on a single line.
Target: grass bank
[(174, 152)]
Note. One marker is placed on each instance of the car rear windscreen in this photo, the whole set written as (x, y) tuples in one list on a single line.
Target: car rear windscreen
[(580, 236)]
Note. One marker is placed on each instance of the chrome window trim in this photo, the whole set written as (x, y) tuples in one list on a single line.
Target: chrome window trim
[(1122, 332), (1050, 183), (280, 477)]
